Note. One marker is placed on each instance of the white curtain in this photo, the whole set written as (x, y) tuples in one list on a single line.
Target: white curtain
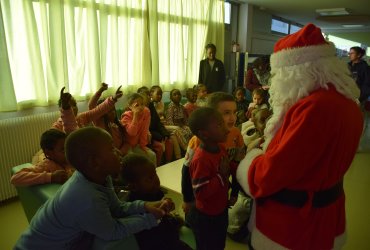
[(48, 44)]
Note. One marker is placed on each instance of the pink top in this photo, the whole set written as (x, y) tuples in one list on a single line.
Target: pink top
[(68, 122), (190, 107), (138, 129), (114, 129), (38, 174)]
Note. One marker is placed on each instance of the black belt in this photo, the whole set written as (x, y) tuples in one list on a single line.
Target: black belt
[(298, 198)]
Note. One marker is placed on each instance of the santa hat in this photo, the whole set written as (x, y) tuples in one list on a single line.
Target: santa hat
[(306, 45)]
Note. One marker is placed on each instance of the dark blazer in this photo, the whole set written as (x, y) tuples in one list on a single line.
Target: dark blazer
[(213, 79)]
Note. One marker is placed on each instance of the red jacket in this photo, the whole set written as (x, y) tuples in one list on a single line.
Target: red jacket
[(311, 151)]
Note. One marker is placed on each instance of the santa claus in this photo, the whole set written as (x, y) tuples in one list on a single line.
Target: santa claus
[(296, 179)]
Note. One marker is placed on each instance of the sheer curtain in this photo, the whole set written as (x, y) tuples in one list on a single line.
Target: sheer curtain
[(48, 44)]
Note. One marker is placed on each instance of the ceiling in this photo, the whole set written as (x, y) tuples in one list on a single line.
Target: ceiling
[(304, 11)]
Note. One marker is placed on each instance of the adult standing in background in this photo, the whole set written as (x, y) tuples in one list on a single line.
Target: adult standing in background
[(259, 75), (360, 72), (212, 71), (311, 139)]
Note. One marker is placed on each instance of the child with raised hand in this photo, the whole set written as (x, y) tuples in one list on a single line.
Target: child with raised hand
[(86, 206), (209, 171), (136, 120), (259, 101), (70, 120), (177, 116), (201, 93), (109, 121), (241, 104), (142, 182), (53, 169), (190, 105)]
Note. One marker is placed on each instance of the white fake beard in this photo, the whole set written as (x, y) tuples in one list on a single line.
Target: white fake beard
[(291, 83)]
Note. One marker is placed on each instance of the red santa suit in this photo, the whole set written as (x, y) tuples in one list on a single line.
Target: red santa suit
[(311, 140)]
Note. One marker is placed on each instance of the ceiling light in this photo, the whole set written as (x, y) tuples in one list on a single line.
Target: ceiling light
[(353, 25), (332, 12)]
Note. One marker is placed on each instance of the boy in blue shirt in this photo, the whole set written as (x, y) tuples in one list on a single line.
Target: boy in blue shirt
[(86, 206)]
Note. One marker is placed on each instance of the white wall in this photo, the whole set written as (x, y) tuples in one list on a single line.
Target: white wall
[(254, 30)]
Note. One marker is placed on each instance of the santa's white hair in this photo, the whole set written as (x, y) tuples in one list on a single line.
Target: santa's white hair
[(299, 71)]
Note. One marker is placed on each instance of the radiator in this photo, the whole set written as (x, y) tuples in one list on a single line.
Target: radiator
[(19, 141)]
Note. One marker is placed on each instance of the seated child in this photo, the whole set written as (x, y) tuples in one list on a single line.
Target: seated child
[(209, 171), (136, 120), (161, 141), (109, 121), (201, 93), (156, 98), (177, 116), (53, 169), (86, 206), (70, 120), (259, 101), (191, 96), (241, 104), (140, 178)]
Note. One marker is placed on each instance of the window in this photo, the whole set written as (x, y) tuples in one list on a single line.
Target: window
[(227, 13), (293, 28), (342, 45), (79, 44), (279, 26), (282, 26)]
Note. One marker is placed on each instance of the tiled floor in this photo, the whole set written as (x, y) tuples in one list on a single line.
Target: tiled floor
[(356, 184)]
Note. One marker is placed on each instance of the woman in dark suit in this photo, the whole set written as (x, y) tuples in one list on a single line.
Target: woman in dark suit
[(212, 71)]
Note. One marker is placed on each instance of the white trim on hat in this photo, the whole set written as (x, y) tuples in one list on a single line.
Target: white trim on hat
[(300, 55)]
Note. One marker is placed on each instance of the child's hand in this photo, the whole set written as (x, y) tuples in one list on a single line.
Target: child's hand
[(154, 207), (136, 108), (59, 176), (103, 88), (118, 94), (224, 168), (65, 99), (167, 205), (186, 206)]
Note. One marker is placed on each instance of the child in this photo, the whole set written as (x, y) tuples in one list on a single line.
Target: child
[(136, 120), (161, 141), (69, 119), (209, 171), (201, 92), (190, 106), (86, 206), (109, 121), (53, 169), (225, 104), (259, 101), (177, 116), (259, 119), (142, 181), (156, 98), (241, 104)]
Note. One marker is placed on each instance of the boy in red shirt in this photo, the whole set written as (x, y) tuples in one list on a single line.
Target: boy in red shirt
[(209, 172)]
